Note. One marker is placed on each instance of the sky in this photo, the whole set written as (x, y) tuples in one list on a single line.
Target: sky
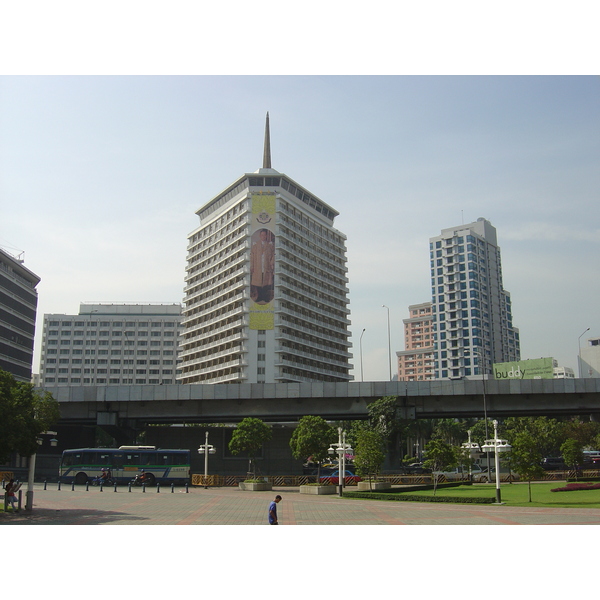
[(102, 176)]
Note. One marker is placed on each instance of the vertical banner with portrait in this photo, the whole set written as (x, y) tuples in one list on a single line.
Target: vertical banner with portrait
[(262, 262)]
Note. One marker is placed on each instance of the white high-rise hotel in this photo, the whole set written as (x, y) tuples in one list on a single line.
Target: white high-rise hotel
[(472, 312), (266, 296)]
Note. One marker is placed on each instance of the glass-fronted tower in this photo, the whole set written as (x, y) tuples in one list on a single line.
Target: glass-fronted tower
[(472, 311), (266, 294)]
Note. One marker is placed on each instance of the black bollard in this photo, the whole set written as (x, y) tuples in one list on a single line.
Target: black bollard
[(59, 485), (101, 487), (144, 488), (115, 486), (172, 488), (186, 488), (129, 486), (158, 488), (73, 486), (87, 486), (45, 484)]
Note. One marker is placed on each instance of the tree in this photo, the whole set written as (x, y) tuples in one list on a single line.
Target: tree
[(24, 414), (526, 457), (451, 431), (440, 456), (249, 436), (572, 453), (369, 452), (547, 434), (312, 437)]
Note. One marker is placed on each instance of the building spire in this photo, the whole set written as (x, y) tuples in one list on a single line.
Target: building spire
[(267, 150)]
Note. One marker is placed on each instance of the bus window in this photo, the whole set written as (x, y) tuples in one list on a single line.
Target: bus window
[(148, 458), (89, 458), (162, 459), (132, 458)]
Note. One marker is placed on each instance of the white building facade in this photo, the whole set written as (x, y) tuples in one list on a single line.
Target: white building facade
[(589, 361), (111, 344), (266, 294), (472, 311)]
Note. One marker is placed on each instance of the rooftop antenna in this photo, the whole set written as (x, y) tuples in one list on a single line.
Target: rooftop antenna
[(267, 150)]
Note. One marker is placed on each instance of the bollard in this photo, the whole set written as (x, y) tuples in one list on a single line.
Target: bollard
[(87, 486), (101, 487), (158, 488), (186, 488), (129, 486), (59, 485), (115, 486), (144, 488), (45, 484), (73, 486), (172, 488)]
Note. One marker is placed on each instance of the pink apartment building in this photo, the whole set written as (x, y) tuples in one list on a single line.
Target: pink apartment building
[(416, 362)]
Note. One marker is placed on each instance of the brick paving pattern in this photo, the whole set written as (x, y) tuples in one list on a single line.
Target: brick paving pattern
[(231, 506)]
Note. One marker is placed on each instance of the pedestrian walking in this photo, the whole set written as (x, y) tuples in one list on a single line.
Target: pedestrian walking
[(273, 511)]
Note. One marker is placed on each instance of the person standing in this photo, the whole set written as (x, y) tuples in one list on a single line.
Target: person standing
[(10, 490), (273, 510)]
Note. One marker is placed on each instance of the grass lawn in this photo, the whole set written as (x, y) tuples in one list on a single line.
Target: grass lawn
[(517, 494)]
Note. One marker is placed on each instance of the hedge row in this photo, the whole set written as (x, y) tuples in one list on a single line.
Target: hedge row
[(416, 498)]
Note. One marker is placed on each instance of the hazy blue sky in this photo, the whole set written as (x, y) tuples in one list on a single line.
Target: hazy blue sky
[(101, 177)]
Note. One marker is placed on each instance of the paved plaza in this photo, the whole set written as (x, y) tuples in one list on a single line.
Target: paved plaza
[(231, 506)]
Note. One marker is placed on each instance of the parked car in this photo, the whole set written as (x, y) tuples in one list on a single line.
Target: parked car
[(417, 469), (459, 473), (333, 478), (553, 463), (484, 477)]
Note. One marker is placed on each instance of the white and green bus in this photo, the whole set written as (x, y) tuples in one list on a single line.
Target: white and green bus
[(162, 466)]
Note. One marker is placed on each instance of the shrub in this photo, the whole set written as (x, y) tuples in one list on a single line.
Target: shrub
[(571, 487), (415, 498)]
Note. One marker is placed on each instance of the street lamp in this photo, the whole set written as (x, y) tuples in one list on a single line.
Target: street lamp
[(340, 449), (206, 449), (389, 340), (579, 355), (479, 353), (31, 473), (497, 445), (361, 362), (472, 447)]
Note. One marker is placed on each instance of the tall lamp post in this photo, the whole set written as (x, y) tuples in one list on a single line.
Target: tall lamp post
[(340, 449), (472, 447), (389, 340), (31, 473), (206, 449), (579, 354), (479, 353), (497, 445), (361, 361)]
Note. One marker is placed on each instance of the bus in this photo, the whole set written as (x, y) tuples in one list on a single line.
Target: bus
[(162, 466)]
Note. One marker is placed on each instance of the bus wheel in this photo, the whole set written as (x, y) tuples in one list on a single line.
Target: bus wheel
[(81, 478), (150, 479)]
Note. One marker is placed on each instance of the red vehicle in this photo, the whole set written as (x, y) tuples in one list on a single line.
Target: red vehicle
[(351, 478)]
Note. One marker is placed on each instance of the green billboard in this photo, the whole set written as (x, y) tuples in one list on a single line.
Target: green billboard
[(535, 368)]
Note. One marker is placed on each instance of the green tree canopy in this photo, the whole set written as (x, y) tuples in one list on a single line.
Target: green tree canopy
[(440, 456), (312, 437), (526, 457), (369, 452), (249, 436), (572, 453), (24, 414)]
